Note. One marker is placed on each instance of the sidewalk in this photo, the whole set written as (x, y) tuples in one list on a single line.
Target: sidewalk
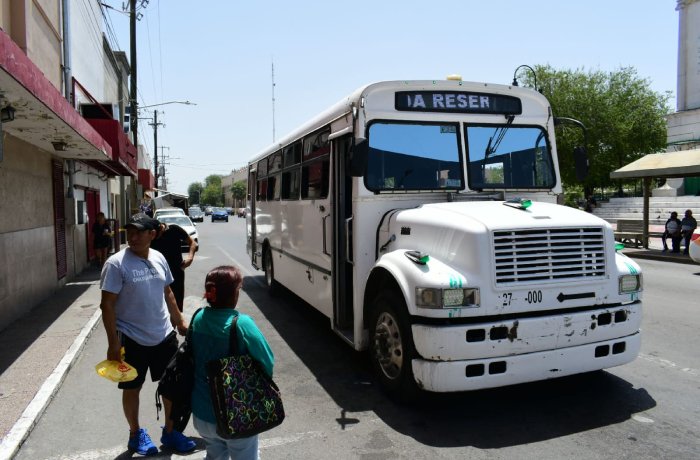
[(654, 252), (37, 351)]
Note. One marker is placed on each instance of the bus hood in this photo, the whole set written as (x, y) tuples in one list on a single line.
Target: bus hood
[(461, 232), (495, 215)]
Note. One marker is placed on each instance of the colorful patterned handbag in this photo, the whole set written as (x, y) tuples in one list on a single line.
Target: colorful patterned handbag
[(246, 400)]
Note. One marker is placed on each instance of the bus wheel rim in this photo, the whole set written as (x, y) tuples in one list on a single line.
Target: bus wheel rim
[(388, 348)]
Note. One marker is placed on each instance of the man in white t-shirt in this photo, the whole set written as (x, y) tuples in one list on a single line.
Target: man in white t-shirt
[(140, 313)]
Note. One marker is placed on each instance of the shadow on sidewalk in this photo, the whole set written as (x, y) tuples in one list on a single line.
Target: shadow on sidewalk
[(16, 338)]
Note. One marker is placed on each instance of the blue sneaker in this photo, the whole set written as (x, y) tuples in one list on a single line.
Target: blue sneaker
[(141, 443), (177, 441)]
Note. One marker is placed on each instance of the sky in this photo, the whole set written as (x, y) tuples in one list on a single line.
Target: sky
[(219, 55)]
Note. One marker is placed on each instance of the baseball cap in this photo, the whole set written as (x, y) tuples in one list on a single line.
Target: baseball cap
[(141, 221)]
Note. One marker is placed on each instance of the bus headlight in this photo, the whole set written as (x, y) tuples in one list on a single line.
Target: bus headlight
[(447, 298), (428, 297), (630, 283)]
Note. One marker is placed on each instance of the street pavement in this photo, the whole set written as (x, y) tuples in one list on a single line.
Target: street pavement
[(37, 351)]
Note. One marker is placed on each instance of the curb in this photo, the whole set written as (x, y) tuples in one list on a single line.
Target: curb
[(24, 425), (662, 258)]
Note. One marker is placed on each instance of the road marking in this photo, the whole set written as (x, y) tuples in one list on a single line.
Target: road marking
[(642, 419), (111, 452), (245, 271), (669, 364), (282, 440), (82, 283), (116, 451)]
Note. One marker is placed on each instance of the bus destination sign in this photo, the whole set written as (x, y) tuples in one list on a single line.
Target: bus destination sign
[(457, 101)]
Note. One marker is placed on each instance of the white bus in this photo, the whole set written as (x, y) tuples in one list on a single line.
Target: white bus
[(420, 217)]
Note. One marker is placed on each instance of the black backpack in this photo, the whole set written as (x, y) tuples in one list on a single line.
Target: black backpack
[(177, 382)]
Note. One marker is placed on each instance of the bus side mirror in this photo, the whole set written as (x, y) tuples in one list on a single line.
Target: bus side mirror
[(358, 159), (581, 162)]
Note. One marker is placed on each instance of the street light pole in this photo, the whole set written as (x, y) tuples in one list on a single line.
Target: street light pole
[(155, 125)]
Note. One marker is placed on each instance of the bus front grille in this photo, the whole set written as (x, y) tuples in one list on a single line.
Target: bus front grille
[(548, 254)]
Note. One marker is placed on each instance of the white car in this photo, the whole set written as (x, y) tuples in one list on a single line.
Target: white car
[(185, 223), (168, 212)]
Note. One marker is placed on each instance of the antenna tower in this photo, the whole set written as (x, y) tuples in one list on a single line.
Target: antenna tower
[(273, 101)]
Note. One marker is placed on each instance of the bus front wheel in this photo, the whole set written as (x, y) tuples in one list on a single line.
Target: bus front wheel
[(391, 347)]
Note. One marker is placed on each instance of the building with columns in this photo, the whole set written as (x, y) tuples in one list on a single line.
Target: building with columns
[(684, 125)]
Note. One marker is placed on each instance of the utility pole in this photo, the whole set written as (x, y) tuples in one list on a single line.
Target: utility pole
[(161, 166), (273, 101), (132, 88), (155, 125)]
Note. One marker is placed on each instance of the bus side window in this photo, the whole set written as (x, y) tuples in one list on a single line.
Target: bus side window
[(275, 163), (292, 154), (262, 168), (273, 188), (314, 179), (290, 184), (262, 190)]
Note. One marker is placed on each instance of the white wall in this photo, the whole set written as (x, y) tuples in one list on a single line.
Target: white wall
[(87, 59), (688, 97)]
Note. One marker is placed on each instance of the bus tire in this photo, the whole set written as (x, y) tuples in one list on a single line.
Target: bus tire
[(391, 347), (269, 269)]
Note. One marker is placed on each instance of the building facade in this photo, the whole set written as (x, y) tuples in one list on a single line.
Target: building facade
[(64, 155), (683, 126), (227, 182)]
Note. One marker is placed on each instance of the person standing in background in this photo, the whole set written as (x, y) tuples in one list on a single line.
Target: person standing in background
[(169, 241), (101, 237), (672, 230), (146, 207), (688, 226)]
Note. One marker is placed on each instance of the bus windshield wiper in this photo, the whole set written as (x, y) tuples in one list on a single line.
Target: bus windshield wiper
[(499, 134)]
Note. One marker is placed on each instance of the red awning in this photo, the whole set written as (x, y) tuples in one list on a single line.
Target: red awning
[(43, 117), (146, 179), (123, 161)]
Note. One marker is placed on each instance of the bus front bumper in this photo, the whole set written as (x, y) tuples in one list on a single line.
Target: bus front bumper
[(464, 375)]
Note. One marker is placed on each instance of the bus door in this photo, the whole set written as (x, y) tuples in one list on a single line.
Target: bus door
[(250, 217), (341, 207)]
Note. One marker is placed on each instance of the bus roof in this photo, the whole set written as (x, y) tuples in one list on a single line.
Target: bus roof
[(345, 105)]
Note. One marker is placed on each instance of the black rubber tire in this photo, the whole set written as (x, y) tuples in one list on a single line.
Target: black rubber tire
[(391, 348), (269, 269)]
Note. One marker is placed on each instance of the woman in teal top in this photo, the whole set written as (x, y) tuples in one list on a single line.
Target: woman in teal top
[(210, 340)]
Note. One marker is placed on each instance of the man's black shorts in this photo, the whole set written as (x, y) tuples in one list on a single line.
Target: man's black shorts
[(143, 358)]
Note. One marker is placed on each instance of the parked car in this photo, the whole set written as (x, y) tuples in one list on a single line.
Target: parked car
[(196, 215), (208, 210), (229, 210), (186, 224), (168, 212), (240, 212), (219, 214)]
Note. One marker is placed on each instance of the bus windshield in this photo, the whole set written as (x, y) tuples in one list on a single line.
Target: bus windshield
[(413, 156), (508, 157)]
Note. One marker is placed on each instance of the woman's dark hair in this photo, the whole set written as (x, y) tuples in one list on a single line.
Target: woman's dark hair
[(221, 286)]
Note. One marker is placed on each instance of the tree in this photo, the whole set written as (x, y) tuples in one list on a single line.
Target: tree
[(624, 118), (212, 195), (212, 179), (194, 191), (239, 190)]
